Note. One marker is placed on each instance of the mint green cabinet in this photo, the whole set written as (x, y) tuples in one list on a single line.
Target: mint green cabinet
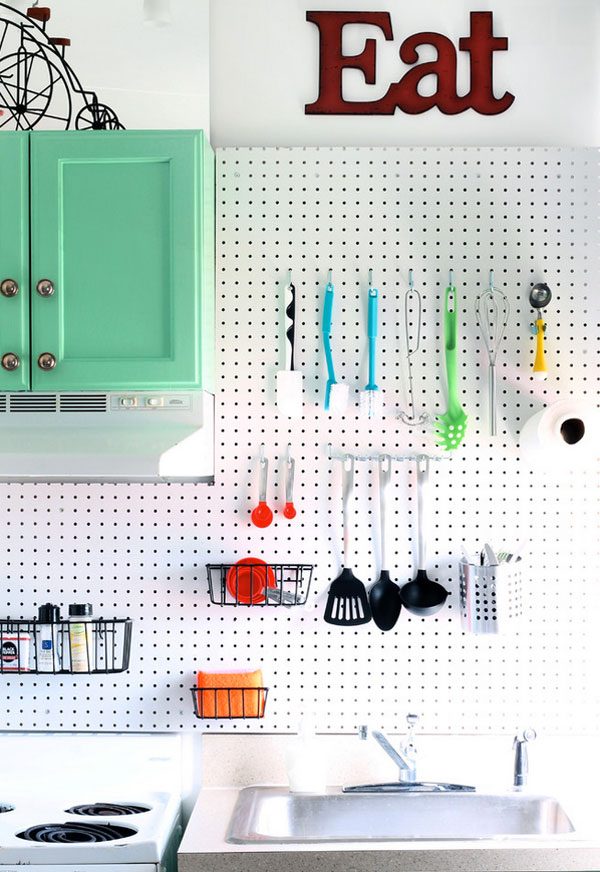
[(14, 261), (122, 264)]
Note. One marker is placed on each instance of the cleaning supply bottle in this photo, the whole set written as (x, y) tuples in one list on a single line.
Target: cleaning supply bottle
[(305, 761), (48, 639), (82, 648)]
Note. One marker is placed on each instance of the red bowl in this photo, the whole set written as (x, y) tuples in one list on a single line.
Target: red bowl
[(247, 579)]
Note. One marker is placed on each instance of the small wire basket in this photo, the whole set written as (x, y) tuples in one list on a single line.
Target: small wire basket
[(253, 582), (211, 703), (65, 647), (490, 597)]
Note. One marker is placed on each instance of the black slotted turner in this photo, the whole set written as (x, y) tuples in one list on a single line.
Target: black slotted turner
[(347, 601)]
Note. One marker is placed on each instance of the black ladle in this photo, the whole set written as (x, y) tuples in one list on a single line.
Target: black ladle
[(384, 596), (422, 596)]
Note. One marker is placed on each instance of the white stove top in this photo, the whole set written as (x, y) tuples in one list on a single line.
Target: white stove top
[(44, 776), (148, 843)]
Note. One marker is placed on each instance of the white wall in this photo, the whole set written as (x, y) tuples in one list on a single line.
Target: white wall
[(154, 77), (264, 68)]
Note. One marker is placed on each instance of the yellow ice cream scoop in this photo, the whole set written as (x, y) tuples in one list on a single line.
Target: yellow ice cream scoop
[(539, 297)]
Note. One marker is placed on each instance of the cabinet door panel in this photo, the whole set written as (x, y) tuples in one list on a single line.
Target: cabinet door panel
[(14, 257), (117, 226)]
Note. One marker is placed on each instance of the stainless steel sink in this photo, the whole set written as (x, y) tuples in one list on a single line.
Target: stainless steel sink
[(273, 815)]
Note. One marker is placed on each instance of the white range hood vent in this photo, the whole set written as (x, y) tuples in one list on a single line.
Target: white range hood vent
[(135, 436)]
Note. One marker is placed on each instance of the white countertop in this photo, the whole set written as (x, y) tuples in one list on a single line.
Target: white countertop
[(204, 848)]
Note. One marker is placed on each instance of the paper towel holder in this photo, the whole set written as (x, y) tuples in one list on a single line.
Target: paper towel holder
[(567, 430)]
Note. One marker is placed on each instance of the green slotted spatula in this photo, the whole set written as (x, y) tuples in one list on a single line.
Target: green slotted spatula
[(452, 425)]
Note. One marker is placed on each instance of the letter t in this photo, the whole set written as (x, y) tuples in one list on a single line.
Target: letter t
[(482, 44)]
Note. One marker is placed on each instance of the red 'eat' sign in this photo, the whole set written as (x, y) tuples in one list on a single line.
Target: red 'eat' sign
[(404, 94)]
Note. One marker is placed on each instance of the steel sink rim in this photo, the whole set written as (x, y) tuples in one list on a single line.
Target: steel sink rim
[(244, 825)]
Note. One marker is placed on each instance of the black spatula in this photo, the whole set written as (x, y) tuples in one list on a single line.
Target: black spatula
[(347, 602)]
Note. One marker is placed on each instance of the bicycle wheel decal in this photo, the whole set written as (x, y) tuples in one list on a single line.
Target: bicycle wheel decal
[(38, 87)]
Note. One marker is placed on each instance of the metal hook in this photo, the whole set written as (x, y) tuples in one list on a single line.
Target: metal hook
[(491, 280), (370, 279), (289, 453), (262, 453), (451, 278), (289, 277), (347, 456), (385, 462), (422, 461), (412, 292), (412, 298), (329, 275)]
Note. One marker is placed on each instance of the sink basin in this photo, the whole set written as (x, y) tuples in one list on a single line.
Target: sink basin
[(273, 815)]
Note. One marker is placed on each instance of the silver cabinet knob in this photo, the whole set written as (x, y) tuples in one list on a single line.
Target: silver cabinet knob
[(10, 361), (45, 288), (46, 361), (9, 288)]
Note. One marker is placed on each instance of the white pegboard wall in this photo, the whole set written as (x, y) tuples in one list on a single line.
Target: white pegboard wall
[(141, 550)]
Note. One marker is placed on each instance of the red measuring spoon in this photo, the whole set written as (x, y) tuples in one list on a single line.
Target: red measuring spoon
[(262, 515), (289, 510)]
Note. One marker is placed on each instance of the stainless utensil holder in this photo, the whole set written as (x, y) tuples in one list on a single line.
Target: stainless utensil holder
[(491, 600)]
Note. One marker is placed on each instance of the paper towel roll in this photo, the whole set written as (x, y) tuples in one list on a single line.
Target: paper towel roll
[(565, 432)]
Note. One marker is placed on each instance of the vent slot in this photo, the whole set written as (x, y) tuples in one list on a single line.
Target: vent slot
[(33, 403), (83, 403), (3, 403)]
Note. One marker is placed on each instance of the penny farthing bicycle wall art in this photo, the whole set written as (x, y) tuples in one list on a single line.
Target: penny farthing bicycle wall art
[(38, 87)]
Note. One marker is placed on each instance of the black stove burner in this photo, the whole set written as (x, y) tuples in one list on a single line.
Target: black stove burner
[(70, 833), (107, 809)]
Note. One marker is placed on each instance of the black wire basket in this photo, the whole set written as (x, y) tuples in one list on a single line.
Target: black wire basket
[(65, 647), (253, 582), (212, 703)]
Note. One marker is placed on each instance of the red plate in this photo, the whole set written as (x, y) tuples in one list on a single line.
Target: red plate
[(247, 579)]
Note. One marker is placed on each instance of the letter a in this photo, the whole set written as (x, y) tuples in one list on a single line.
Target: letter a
[(405, 94)]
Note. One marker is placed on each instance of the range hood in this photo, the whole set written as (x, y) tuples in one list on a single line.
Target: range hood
[(142, 436)]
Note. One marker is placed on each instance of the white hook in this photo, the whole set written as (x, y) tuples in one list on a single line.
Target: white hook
[(385, 461), (411, 281)]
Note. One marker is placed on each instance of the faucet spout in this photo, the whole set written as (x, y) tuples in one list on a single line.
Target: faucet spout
[(405, 759)]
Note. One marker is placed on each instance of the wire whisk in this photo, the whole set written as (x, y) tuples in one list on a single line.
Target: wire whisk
[(412, 300), (492, 310)]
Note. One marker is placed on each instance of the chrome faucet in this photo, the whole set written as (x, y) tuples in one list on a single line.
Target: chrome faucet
[(406, 756), (405, 759), (521, 757)]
